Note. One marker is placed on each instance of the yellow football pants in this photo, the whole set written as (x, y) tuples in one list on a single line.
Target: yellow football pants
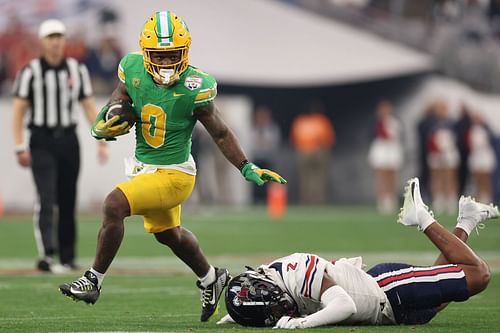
[(158, 197)]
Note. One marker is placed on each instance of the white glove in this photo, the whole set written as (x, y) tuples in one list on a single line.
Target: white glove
[(289, 323), (355, 261), (225, 320)]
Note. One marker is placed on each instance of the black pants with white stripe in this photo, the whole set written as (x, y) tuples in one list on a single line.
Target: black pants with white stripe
[(55, 157)]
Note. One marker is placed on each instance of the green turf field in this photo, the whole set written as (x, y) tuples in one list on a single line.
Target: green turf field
[(149, 290)]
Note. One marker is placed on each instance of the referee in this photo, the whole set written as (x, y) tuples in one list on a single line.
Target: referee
[(47, 90)]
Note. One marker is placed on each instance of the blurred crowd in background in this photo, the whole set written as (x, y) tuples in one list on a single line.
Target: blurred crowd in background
[(19, 44), (455, 156), (463, 36)]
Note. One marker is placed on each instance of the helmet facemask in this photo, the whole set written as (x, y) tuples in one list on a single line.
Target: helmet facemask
[(166, 74), (281, 305)]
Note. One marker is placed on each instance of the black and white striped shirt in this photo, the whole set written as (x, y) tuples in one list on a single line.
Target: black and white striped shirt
[(53, 92)]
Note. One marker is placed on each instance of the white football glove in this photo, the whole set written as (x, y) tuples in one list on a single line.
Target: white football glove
[(289, 323)]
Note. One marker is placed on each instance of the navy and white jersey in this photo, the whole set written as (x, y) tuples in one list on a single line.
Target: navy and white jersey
[(372, 305), (301, 275)]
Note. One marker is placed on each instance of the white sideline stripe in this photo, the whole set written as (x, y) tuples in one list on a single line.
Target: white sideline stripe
[(237, 262), (94, 316), (174, 291)]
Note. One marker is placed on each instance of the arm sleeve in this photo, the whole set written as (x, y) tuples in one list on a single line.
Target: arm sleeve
[(338, 306), (121, 72), (207, 93), (125, 63)]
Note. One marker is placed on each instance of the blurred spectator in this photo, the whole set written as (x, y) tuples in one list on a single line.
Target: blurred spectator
[(313, 136), (103, 62), (482, 159), (494, 16), (266, 139), (461, 129), (386, 156), (76, 47), (443, 159), (17, 47), (465, 48), (3, 69), (424, 128)]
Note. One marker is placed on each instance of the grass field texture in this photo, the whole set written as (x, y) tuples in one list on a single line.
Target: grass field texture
[(150, 290)]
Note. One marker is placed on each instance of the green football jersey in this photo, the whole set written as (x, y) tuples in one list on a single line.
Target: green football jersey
[(164, 114)]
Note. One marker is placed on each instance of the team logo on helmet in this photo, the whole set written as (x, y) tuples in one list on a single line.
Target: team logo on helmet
[(241, 295)]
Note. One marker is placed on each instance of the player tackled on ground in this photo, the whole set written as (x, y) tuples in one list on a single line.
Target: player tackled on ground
[(304, 290), (169, 96)]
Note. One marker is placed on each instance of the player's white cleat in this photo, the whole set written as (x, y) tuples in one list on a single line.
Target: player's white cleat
[(472, 213), (414, 211)]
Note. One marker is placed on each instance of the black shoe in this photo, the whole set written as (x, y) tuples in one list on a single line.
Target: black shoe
[(211, 294), (43, 266), (84, 289)]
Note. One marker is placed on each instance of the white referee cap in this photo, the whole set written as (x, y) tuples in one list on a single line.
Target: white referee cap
[(50, 27)]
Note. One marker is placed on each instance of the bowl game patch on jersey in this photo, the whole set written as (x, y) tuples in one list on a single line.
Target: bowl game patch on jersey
[(193, 82)]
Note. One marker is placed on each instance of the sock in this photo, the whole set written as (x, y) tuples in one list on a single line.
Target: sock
[(466, 226), (425, 218), (99, 276), (209, 278)]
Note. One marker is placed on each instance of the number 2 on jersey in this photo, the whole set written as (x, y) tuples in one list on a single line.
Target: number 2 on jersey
[(154, 123)]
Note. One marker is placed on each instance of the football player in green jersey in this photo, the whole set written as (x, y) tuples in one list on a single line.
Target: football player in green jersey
[(168, 96)]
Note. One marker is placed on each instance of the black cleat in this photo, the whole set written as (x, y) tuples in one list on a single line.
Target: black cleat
[(210, 295), (84, 289), (43, 265)]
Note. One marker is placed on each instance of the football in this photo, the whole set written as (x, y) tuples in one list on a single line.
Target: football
[(123, 109)]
